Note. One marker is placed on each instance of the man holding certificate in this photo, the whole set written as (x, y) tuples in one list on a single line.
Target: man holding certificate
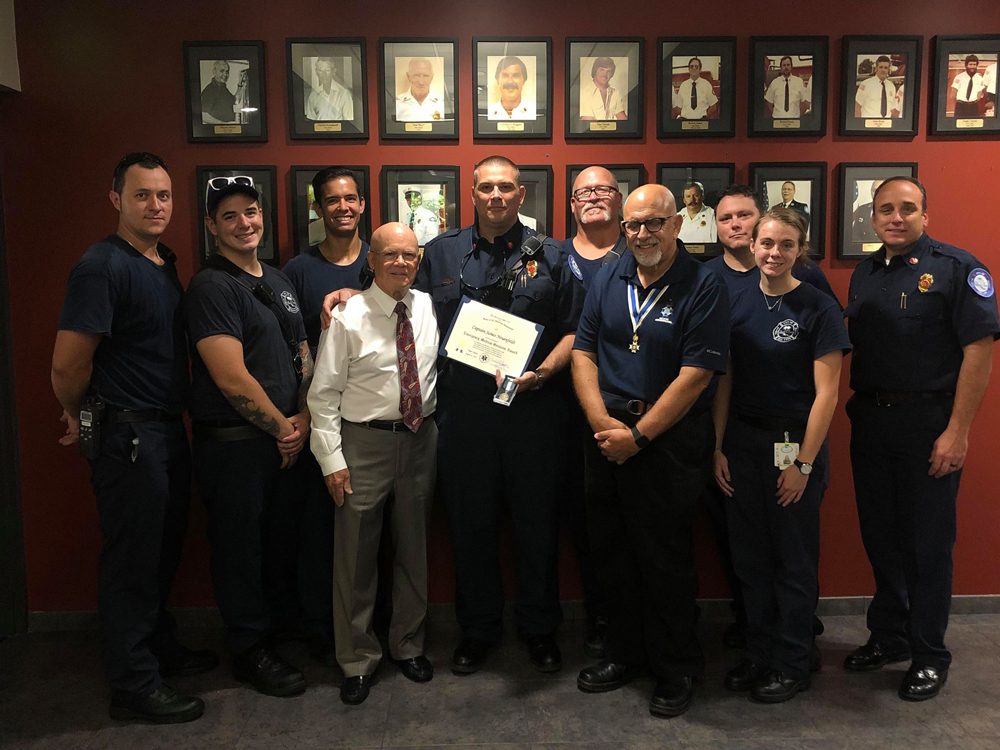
[(654, 329), (507, 307)]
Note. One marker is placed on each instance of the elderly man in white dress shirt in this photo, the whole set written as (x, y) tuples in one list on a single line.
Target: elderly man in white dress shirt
[(418, 103)]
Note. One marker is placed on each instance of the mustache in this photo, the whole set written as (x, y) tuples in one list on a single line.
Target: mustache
[(510, 86)]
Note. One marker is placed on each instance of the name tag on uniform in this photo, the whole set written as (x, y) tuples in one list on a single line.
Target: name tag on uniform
[(785, 453)]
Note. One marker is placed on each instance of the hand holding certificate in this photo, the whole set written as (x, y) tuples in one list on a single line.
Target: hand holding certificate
[(489, 339)]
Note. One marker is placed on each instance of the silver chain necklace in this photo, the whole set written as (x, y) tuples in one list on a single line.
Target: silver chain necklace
[(776, 305)]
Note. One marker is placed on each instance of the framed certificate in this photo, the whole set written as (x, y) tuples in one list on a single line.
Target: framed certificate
[(488, 339)]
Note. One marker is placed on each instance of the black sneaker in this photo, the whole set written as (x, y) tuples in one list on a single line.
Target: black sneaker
[(268, 673), (163, 706)]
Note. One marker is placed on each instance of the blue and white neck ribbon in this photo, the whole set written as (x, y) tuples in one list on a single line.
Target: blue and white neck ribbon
[(639, 312)]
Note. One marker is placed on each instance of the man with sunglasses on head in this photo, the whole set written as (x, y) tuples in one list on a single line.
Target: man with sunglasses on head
[(251, 371), (120, 368), (489, 453), (654, 330)]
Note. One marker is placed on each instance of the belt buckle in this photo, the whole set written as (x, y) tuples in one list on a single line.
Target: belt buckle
[(635, 407)]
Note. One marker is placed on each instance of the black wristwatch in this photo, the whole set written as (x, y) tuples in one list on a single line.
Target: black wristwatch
[(641, 441), (805, 468)]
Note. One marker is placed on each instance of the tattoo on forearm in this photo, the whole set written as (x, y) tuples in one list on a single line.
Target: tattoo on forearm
[(247, 408), (308, 366)]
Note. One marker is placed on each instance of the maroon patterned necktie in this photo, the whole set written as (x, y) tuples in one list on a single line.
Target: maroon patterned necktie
[(410, 404)]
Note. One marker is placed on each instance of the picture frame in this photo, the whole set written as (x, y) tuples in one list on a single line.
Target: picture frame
[(858, 180), (880, 73), (950, 114), (521, 66), (437, 188), (629, 177), (805, 86), (430, 65), (594, 90), (714, 93), (537, 206), (224, 91), (265, 181), (808, 191), (327, 97), (307, 226), (699, 234)]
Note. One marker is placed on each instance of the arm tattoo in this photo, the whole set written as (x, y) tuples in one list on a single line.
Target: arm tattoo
[(308, 366), (247, 408)]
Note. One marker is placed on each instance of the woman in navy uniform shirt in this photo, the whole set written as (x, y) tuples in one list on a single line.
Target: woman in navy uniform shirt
[(772, 412)]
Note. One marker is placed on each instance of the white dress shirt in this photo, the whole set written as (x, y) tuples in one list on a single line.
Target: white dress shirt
[(408, 109), (592, 103), (990, 79), (706, 98), (337, 105), (797, 93), (523, 111), (699, 229), (961, 85), (869, 97), (357, 370)]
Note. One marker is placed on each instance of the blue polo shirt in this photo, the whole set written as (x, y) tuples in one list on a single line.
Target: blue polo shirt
[(585, 269), (909, 320), (738, 281), (689, 327)]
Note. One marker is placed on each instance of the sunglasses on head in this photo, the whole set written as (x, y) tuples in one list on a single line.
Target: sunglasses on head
[(218, 183)]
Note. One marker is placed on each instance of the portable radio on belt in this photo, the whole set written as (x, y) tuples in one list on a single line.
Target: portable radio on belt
[(91, 415)]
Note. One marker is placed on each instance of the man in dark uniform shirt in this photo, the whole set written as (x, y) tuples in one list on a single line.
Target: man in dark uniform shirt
[(217, 101), (654, 330), (922, 317), (121, 342), (489, 453), (251, 370)]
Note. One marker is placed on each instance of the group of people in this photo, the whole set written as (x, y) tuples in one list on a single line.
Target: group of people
[(652, 371)]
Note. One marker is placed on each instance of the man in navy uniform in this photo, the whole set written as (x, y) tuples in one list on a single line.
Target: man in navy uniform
[(654, 330), (922, 317), (489, 453)]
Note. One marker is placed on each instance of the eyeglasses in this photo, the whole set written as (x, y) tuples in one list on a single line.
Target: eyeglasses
[(389, 256), (601, 191), (653, 225)]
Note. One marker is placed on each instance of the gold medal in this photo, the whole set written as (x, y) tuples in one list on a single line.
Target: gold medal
[(634, 346), (925, 283)]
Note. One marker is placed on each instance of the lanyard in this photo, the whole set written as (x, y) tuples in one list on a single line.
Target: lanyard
[(638, 312)]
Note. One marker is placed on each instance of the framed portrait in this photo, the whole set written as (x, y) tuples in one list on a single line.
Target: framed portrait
[(629, 177), (696, 189), (880, 85), (326, 88), (604, 87), (858, 182), (419, 98), (512, 90), (265, 182), (696, 87), (964, 86), (787, 85), (423, 198), (307, 226), (800, 186), (536, 211), (224, 89)]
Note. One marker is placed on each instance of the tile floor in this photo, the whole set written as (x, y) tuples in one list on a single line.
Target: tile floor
[(51, 696)]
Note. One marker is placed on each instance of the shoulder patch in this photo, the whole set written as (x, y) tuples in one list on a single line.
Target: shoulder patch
[(575, 267), (981, 282), (289, 301)]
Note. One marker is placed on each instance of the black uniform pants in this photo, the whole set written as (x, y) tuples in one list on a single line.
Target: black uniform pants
[(640, 517), (907, 522), (142, 480), (775, 549), (713, 503), (489, 454)]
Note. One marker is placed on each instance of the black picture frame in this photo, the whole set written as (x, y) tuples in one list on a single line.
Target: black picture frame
[(858, 180), (717, 58), (307, 227), (809, 57), (437, 183), (437, 117), (314, 113), (808, 179), (537, 205), (581, 55), (700, 239), (950, 53), (208, 98), (860, 93), (629, 177), (265, 180), (532, 118)]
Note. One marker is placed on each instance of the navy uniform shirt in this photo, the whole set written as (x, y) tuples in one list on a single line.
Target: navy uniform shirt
[(688, 328), (551, 297), (909, 320), (218, 304), (314, 277), (737, 281), (585, 269), (119, 294), (773, 351)]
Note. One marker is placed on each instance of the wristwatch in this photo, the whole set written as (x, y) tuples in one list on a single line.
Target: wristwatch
[(541, 373), (805, 468), (641, 440)]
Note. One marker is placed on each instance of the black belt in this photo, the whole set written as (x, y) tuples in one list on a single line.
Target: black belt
[(122, 416), (389, 425), (227, 434), (897, 398), (777, 424), (632, 406)]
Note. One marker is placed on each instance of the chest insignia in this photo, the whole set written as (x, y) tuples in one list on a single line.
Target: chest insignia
[(289, 301), (925, 283), (532, 268), (981, 282), (575, 268), (665, 314), (912, 260), (787, 330)]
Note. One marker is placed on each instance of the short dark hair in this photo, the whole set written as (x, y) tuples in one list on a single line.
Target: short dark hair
[(882, 59), (496, 161), (507, 62), (901, 178), (144, 159), (786, 57), (693, 59), (327, 174), (971, 58), (603, 62), (742, 191)]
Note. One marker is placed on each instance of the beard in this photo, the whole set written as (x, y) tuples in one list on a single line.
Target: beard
[(648, 259), (589, 217)]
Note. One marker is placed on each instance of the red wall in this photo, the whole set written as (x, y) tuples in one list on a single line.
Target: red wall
[(102, 77)]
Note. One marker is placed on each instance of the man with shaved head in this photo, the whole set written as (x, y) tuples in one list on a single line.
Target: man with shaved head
[(654, 329), (372, 401)]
